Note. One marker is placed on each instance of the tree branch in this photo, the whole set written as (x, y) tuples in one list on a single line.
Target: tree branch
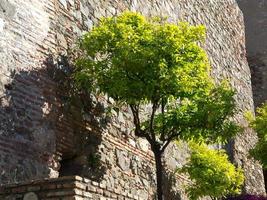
[(138, 131), (151, 129), (162, 135), (170, 138)]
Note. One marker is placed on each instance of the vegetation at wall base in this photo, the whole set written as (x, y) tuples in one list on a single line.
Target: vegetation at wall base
[(259, 124), (212, 173)]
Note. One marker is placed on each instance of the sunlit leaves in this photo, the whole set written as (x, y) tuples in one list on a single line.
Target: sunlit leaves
[(259, 124), (204, 117), (141, 59), (212, 173)]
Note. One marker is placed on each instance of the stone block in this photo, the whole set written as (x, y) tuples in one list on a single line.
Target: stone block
[(7, 8), (30, 196)]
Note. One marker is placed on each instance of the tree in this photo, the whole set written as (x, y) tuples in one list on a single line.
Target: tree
[(259, 124), (212, 173), (150, 62)]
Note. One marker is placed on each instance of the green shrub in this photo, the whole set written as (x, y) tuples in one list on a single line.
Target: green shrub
[(212, 173), (259, 124)]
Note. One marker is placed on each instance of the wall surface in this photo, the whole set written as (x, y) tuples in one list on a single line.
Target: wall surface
[(39, 139), (63, 188), (256, 33)]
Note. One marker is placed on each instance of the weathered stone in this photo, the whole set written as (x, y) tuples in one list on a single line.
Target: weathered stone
[(33, 188), (64, 3), (7, 8), (123, 161), (30, 196), (2, 24), (143, 144)]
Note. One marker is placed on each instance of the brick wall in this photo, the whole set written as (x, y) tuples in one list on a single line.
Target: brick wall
[(40, 138), (64, 188)]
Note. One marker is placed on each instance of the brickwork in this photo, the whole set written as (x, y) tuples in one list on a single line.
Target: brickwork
[(39, 139), (65, 188)]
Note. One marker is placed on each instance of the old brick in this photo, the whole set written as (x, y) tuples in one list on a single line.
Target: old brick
[(99, 191), (33, 188), (107, 193), (19, 189), (60, 193), (49, 186), (80, 185), (91, 188)]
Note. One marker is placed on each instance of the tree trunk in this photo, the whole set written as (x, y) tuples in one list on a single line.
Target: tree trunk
[(159, 171)]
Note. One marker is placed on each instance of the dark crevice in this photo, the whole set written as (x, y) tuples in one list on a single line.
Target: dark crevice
[(257, 68), (265, 178)]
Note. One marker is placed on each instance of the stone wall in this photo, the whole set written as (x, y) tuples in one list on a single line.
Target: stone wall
[(42, 137)]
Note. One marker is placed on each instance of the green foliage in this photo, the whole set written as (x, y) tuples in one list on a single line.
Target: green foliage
[(212, 174), (149, 62), (202, 119), (135, 60), (142, 61), (259, 124)]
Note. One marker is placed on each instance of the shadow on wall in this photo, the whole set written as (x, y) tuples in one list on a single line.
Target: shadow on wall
[(88, 119), (39, 111), (170, 181), (258, 78), (27, 126), (82, 122), (61, 126)]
